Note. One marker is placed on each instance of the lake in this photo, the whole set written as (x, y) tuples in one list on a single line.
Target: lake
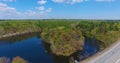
[(32, 49)]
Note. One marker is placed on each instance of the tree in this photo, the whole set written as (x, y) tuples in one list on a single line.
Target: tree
[(1, 30)]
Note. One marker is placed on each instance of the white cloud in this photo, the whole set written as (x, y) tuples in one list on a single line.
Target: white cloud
[(5, 8), (41, 2), (7, 12), (78, 1), (29, 12), (2, 5), (68, 1), (32, 13), (49, 10), (41, 8), (105, 0), (58, 1), (9, 0)]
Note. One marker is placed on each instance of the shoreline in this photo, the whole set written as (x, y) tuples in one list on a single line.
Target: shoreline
[(15, 34), (84, 61)]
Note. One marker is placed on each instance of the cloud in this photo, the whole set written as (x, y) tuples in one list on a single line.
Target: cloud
[(58, 1), (9, 0), (7, 12), (105, 0), (32, 13), (49, 10), (78, 1), (41, 2), (41, 8), (68, 1), (5, 8), (2, 5)]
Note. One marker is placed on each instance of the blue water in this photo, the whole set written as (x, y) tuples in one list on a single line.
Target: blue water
[(89, 50), (33, 51), (30, 49)]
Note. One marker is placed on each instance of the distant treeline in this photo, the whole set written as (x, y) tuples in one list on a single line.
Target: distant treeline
[(66, 36)]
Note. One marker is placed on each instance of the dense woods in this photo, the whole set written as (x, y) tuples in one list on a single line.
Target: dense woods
[(65, 36)]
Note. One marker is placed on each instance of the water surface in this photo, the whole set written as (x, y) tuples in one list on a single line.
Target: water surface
[(30, 49)]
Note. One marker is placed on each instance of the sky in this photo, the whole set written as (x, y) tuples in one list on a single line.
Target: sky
[(59, 9)]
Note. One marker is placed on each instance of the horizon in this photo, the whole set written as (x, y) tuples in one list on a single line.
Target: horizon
[(59, 9), (62, 19)]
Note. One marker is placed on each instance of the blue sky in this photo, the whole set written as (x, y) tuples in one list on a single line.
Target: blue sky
[(59, 9)]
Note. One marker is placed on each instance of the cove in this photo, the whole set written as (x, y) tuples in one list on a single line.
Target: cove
[(91, 47)]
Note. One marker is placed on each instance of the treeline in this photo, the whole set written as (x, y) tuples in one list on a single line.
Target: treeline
[(106, 32), (7, 27), (66, 36), (13, 26)]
